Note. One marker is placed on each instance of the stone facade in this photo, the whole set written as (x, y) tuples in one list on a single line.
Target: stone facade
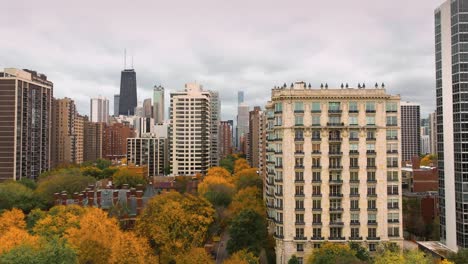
[(333, 167)]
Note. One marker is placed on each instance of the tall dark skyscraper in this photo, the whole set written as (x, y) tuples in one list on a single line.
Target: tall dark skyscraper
[(128, 92)]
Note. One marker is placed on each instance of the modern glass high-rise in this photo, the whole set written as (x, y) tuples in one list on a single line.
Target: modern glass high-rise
[(451, 53), (240, 97), (116, 104), (410, 130), (128, 92), (158, 104)]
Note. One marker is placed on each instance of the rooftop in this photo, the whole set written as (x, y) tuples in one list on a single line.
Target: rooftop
[(436, 247)]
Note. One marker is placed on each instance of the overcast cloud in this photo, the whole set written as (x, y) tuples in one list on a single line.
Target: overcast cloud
[(248, 45)]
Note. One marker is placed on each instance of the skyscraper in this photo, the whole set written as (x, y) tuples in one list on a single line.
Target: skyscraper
[(334, 170), (63, 147), (147, 108), (451, 84), (128, 92), (433, 132), (93, 133), (99, 109), (242, 127), (116, 104), (114, 140), (25, 124), (190, 130), (215, 122), (256, 142), (158, 104), (225, 138), (240, 97), (149, 151), (410, 130)]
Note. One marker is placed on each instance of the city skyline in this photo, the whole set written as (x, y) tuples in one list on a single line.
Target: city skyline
[(252, 62)]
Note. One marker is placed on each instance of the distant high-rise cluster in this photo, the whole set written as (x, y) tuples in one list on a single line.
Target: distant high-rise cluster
[(99, 109)]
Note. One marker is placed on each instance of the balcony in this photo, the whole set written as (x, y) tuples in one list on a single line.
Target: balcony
[(299, 111), (371, 222), (316, 181), (353, 139), (335, 153), (335, 181), (298, 138), (334, 139), (279, 152), (371, 181), (336, 195), (335, 167), (335, 111), (299, 166), (317, 223), (336, 209), (317, 238), (336, 238), (299, 209), (299, 152), (371, 167), (339, 124), (370, 139), (317, 210), (392, 165), (371, 195), (316, 111), (370, 110), (393, 221), (355, 222), (370, 152), (372, 209), (354, 152), (300, 238), (278, 236), (299, 195), (316, 166), (354, 167), (353, 111), (353, 195), (373, 238), (299, 181), (393, 207), (316, 152), (278, 194), (355, 238), (316, 139), (392, 125), (278, 166), (392, 151), (316, 195), (279, 180), (279, 208), (299, 223), (392, 138)]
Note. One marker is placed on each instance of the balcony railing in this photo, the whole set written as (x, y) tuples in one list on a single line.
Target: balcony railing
[(336, 195), (355, 222), (392, 151), (336, 209), (353, 139), (355, 238), (316, 139), (373, 238), (335, 153), (333, 124), (300, 238), (335, 139), (317, 238), (335, 111), (372, 222), (336, 238)]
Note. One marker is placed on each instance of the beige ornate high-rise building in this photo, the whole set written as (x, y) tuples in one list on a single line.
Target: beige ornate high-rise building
[(333, 167)]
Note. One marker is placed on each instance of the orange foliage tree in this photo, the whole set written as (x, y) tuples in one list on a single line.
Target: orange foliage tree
[(248, 198), (240, 164)]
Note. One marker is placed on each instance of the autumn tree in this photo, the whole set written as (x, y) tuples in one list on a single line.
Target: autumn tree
[(248, 231), (174, 223), (360, 251), (13, 232), (389, 257), (219, 172), (333, 253), (194, 256), (461, 257), (58, 220), (240, 164), (217, 189), (293, 260), (125, 176), (417, 257), (248, 198), (242, 257), (127, 247), (248, 178)]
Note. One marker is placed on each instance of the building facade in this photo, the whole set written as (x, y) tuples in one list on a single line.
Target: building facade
[(149, 151), (158, 104), (256, 144), (147, 108), (190, 130), (93, 138), (25, 124), (128, 92), (242, 127), (225, 138), (410, 130), (451, 85), (99, 109), (334, 170), (114, 146), (67, 133), (215, 121), (433, 132), (116, 104)]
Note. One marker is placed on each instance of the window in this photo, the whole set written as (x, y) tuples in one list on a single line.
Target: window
[(372, 232), (278, 121), (299, 176), (316, 190), (315, 106), (391, 120), (354, 204), (353, 107), (299, 232), (334, 162), (316, 120), (299, 148), (335, 176), (278, 107), (392, 175), (370, 162), (317, 232), (316, 134), (334, 119), (299, 218), (333, 106), (391, 107), (371, 190), (353, 134), (300, 190), (316, 204), (371, 204), (335, 232), (300, 247), (317, 245), (300, 260), (372, 218), (355, 218), (355, 232), (316, 162), (316, 218), (353, 148), (299, 204), (370, 107), (370, 147), (299, 120), (299, 107), (392, 147), (353, 120), (354, 176), (393, 217), (370, 120), (371, 176), (299, 134), (335, 203), (354, 190), (315, 148), (392, 203), (392, 134), (316, 176), (392, 162), (372, 247), (394, 231), (370, 134), (353, 162), (392, 189)]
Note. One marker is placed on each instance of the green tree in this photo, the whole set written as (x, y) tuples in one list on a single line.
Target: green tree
[(332, 253), (248, 231), (461, 257), (417, 257), (293, 260), (389, 257), (228, 163), (16, 195), (125, 176), (103, 164), (248, 178), (361, 252), (31, 184)]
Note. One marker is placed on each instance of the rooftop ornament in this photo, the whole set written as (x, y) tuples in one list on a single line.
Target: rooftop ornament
[(383, 85), (359, 85), (321, 85), (376, 85), (363, 85), (347, 86), (310, 86), (342, 86), (326, 85)]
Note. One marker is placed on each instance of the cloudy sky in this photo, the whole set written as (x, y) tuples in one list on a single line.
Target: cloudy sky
[(248, 45)]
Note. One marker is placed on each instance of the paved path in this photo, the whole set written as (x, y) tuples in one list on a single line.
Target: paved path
[(222, 253)]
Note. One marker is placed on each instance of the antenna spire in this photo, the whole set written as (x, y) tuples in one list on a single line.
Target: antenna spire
[(125, 59), (132, 62)]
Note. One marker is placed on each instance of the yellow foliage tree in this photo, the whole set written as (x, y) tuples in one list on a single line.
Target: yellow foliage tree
[(93, 237), (247, 198), (217, 189), (248, 177), (445, 261), (174, 223), (389, 257), (194, 256), (12, 218), (242, 257), (220, 172), (128, 248), (240, 164), (427, 160), (58, 220)]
